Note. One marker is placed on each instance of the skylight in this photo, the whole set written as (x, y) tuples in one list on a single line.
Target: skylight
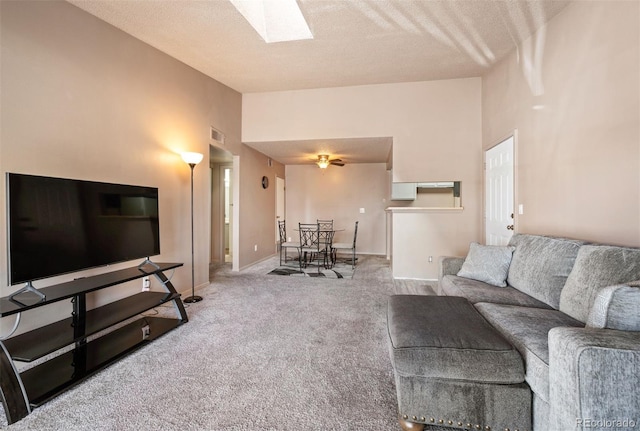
[(275, 20)]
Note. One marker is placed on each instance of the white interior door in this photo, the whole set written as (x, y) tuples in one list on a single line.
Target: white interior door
[(499, 180)]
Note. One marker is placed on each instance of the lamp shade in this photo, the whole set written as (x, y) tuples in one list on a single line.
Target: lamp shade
[(192, 158)]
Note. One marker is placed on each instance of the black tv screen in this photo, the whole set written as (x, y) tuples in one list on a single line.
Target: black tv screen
[(57, 225)]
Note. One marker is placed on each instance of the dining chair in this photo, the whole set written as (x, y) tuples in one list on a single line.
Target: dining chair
[(308, 241), (284, 244), (345, 246), (314, 245), (325, 241), (325, 224)]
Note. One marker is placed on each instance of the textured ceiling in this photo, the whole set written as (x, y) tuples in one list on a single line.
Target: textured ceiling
[(356, 42)]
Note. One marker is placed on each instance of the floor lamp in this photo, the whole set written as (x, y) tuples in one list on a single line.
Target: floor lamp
[(192, 159)]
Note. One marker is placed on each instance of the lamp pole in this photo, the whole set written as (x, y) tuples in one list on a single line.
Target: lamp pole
[(192, 159)]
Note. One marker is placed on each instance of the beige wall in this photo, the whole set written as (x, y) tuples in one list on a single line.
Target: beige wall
[(257, 211), (436, 130), (254, 216), (578, 156), (438, 232), (338, 193), (435, 125), (81, 99)]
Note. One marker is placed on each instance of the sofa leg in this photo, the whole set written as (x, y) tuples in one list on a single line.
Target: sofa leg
[(410, 426)]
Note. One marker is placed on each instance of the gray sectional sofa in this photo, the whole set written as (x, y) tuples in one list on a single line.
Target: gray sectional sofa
[(569, 309)]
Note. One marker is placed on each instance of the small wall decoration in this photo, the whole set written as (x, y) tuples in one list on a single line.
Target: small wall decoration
[(265, 182)]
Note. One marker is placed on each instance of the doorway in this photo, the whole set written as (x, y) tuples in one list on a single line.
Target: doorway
[(227, 211), (499, 192)]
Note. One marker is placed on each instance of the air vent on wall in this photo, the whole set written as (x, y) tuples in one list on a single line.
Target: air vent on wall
[(217, 135)]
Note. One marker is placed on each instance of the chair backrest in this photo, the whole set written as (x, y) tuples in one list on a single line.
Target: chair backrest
[(309, 233), (325, 224), (355, 235), (282, 228), (325, 237)]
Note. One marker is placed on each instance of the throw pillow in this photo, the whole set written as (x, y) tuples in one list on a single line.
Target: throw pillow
[(488, 263), (616, 307)]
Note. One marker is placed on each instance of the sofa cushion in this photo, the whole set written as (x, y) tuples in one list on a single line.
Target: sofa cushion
[(488, 263), (527, 329), (540, 265), (446, 338), (477, 291), (597, 266), (616, 307)]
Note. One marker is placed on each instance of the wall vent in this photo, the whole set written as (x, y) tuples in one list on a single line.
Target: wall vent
[(217, 135)]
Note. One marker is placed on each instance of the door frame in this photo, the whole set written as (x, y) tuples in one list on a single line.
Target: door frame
[(281, 197), (516, 200)]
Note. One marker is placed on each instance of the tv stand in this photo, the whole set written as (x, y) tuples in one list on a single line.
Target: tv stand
[(146, 262), (21, 391), (27, 288)]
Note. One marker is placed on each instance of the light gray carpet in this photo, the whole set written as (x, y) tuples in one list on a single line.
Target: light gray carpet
[(261, 352)]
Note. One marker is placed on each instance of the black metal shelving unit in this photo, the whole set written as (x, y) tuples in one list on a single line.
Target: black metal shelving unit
[(22, 391)]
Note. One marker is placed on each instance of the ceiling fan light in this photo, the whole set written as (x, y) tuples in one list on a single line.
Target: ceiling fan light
[(323, 161)]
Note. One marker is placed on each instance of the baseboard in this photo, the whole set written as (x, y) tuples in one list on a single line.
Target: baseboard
[(258, 261), (187, 291), (416, 279)]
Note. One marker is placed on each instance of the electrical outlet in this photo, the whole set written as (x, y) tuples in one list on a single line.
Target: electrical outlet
[(145, 332), (146, 284), (255, 247)]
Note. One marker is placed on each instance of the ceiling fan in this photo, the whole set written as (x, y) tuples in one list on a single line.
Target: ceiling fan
[(323, 161)]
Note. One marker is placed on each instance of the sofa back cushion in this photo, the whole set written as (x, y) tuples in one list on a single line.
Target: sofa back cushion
[(616, 307), (540, 265), (597, 266)]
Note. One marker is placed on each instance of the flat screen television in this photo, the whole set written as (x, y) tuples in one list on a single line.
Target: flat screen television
[(57, 225)]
